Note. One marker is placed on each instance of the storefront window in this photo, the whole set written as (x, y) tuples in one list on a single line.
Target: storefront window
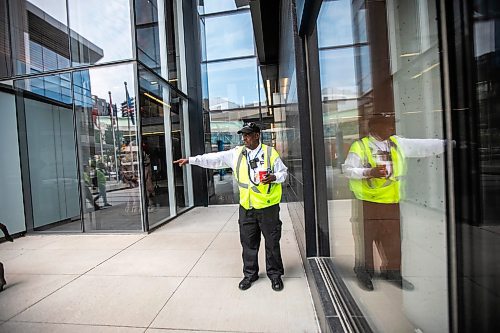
[(384, 152)]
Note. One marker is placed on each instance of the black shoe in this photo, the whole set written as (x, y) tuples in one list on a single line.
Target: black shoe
[(365, 282), (8, 237), (247, 282), (395, 278), (277, 284), (107, 205)]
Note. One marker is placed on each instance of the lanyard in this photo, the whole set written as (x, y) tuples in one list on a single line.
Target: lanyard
[(249, 166), (257, 154)]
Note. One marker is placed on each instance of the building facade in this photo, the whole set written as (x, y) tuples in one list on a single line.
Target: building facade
[(429, 69), (97, 102)]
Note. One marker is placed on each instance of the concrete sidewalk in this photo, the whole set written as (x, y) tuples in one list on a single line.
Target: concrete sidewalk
[(182, 277)]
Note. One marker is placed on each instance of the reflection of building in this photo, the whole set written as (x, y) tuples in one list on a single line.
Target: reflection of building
[(47, 48), (71, 130)]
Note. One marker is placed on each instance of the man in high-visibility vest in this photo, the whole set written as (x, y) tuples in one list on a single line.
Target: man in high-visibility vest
[(259, 172), (375, 167)]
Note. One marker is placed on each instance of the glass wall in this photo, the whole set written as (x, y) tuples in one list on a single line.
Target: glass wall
[(87, 166), (11, 205), (39, 36), (163, 141), (383, 131), (41, 39), (89, 45), (234, 91), (479, 230), (154, 103), (108, 148), (47, 106), (179, 148), (157, 39)]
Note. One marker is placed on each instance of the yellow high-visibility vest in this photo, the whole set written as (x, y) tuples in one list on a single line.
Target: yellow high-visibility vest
[(257, 196), (381, 190)]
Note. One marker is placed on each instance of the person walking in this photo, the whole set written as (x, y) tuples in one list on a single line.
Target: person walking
[(101, 183), (259, 171)]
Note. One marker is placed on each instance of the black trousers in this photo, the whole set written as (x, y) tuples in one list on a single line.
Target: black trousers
[(252, 222)]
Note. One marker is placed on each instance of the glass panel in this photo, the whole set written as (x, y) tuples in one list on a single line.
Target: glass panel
[(5, 49), (51, 152), (148, 35), (156, 24), (337, 74), (11, 205), (89, 45), (178, 149), (154, 102), (108, 152), (480, 238), (216, 6), (233, 84), (229, 36), (385, 170), (335, 24), (39, 36), (223, 129)]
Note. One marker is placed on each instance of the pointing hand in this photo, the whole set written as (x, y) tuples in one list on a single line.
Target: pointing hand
[(182, 161)]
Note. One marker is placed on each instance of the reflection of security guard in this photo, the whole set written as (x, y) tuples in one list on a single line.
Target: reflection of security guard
[(259, 172), (375, 166)]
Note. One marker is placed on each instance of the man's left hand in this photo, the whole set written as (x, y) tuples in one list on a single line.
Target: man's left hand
[(268, 179)]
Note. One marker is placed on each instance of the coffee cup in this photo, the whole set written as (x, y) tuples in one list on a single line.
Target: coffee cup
[(262, 175)]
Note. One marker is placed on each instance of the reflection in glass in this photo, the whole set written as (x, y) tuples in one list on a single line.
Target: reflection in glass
[(480, 237), (156, 25), (89, 45), (51, 153), (178, 149), (229, 36), (216, 6), (39, 36), (233, 84), (5, 48), (223, 136), (384, 160), (337, 74), (154, 101), (335, 24), (108, 151)]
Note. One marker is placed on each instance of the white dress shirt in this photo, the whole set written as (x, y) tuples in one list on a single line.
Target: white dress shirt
[(353, 167), (229, 158)]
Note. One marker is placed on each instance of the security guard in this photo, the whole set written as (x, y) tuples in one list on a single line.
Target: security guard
[(259, 172), (376, 166)]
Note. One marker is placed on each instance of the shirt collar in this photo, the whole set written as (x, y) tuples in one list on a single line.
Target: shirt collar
[(254, 150)]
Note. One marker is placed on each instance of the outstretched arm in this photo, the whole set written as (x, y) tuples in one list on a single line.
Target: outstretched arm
[(182, 161), (219, 160)]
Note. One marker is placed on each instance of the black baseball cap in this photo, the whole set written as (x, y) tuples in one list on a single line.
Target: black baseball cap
[(249, 128)]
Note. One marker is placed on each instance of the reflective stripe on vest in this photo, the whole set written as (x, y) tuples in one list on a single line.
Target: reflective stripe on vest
[(381, 190), (257, 196)]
